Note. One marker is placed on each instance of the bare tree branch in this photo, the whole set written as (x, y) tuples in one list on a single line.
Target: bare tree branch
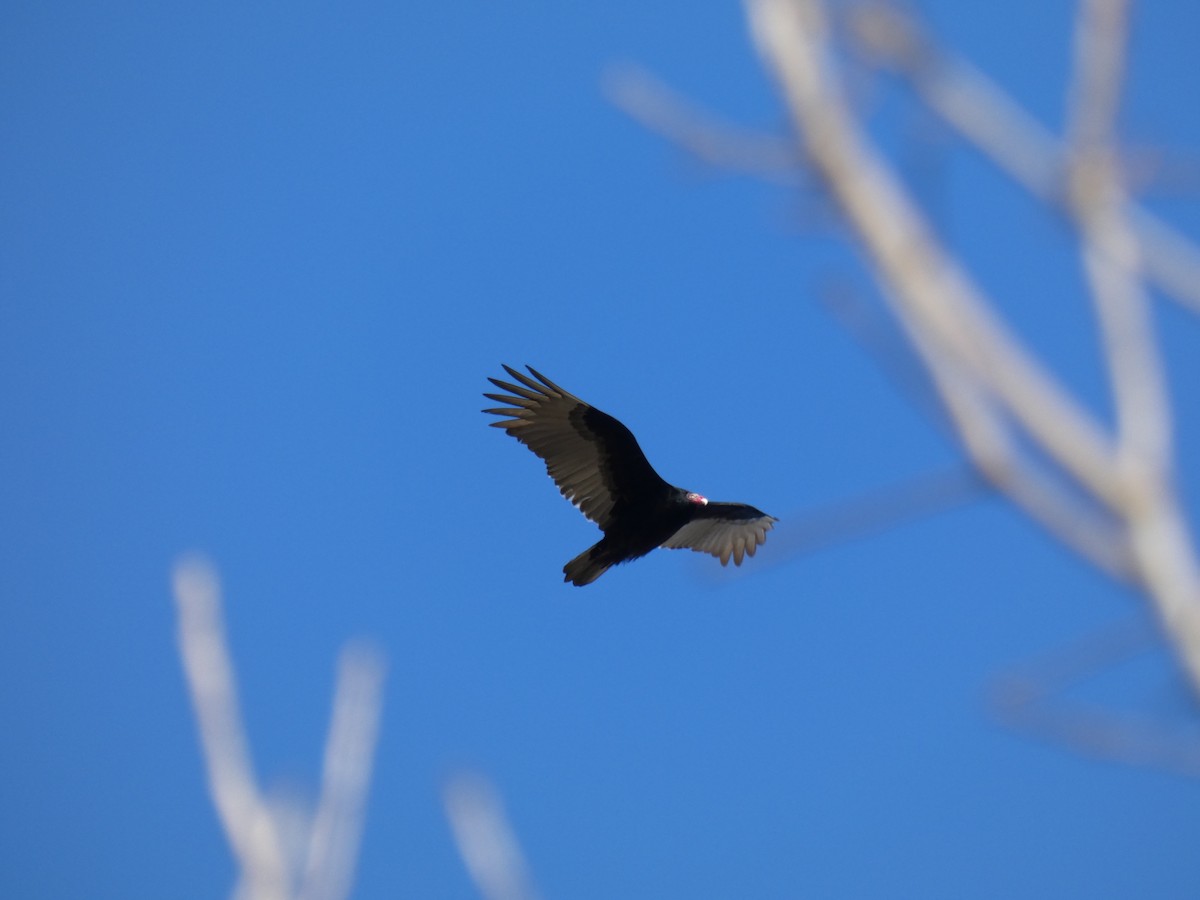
[(254, 828), (932, 293), (718, 143), (1032, 700), (994, 390), (1110, 250), (1160, 537), (877, 511), (991, 120), (486, 842), (346, 776), (244, 814)]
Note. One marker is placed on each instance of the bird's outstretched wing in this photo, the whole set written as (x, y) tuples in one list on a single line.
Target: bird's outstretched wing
[(725, 530), (594, 459)]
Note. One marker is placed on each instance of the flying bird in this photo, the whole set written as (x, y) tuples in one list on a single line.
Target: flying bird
[(597, 464)]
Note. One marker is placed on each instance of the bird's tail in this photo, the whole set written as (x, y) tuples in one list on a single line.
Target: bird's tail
[(588, 565)]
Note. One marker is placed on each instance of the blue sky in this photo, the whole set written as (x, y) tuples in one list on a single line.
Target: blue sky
[(256, 263)]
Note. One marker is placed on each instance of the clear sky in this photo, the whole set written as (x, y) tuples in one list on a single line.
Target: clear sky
[(256, 263)]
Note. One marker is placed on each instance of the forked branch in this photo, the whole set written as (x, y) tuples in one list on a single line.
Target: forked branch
[(999, 396), (323, 868)]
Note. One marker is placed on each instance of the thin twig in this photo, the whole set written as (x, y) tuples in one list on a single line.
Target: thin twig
[(877, 511), (718, 143), (485, 841), (1032, 700)]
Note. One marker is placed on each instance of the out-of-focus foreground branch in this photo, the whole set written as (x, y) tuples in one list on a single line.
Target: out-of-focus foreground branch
[(997, 126), (1035, 699), (485, 839), (322, 866), (998, 395)]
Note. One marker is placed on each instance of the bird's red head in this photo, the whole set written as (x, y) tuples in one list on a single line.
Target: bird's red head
[(697, 499)]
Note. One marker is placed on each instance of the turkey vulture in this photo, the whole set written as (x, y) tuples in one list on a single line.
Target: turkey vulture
[(598, 466)]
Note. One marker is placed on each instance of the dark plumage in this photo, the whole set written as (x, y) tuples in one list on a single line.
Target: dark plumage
[(597, 464)]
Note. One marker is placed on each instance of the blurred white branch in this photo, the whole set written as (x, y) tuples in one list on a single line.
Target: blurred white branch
[(933, 296), (485, 840), (255, 829), (699, 131), (244, 814), (1112, 257), (1034, 700), (346, 775), (998, 395), (1001, 129), (1130, 473)]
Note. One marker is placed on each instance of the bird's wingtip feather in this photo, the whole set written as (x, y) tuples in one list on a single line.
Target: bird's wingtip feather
[(544, 380), (526, 380)]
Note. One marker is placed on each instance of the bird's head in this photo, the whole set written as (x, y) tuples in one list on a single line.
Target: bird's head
[(699, 500)]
